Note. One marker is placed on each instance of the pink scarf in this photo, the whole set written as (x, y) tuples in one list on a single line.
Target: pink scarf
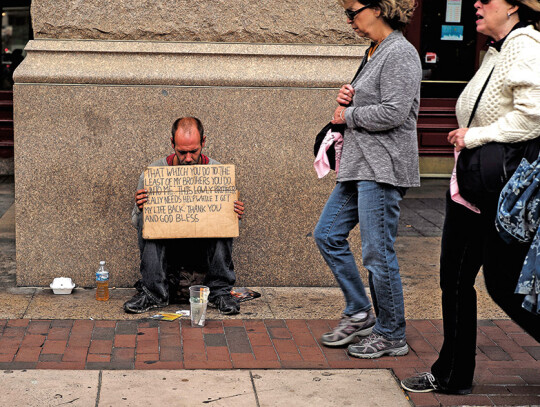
[(454, 190), (321, 164)]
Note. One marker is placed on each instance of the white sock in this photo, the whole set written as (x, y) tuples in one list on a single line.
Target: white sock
[(360, 315)]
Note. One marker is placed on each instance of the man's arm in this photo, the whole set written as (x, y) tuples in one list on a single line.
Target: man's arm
[(138, 206)]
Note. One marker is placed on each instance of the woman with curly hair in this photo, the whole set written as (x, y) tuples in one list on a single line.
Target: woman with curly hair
[(379, 162)]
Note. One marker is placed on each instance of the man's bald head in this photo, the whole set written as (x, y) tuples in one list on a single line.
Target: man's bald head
[(186, 125), (187, 141)]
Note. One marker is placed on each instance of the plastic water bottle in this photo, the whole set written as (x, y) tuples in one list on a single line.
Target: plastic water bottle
[(102, 282)]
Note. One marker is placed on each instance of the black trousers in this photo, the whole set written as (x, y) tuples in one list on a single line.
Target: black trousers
[(162, 260), (470, 241)]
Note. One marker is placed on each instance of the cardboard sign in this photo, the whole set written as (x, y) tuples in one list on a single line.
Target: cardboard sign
[(190, 201)]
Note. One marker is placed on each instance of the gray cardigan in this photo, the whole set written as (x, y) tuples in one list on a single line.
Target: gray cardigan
[(380, 142), (162, 162)]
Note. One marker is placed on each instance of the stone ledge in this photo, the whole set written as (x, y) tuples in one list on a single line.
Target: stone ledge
[(179, 64)]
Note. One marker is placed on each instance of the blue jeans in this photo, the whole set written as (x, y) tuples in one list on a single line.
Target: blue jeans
[(163, 258), (375, 207)]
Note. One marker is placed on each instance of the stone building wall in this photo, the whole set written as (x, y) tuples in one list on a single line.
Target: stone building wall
[(97, 94)]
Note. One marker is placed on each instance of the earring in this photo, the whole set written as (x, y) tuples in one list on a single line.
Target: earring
[(508, 14)]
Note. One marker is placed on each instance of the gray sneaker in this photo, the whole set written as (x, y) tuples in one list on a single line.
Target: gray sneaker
[(348, 328), (421, 383), (375, 346), (426, 382)]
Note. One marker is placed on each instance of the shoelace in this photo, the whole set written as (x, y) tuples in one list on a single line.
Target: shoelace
[(370, 338), (430, 378)]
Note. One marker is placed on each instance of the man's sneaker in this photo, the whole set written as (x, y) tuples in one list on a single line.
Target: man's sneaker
[(141, 302), (226, 304), (348, 328), (421, 383), (375, 346)]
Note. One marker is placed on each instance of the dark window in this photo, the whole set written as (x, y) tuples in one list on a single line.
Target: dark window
[(16, 32), (447, 47)]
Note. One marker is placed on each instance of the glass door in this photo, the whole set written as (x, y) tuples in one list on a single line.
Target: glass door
[(16, 32), (447, 47), (444, 34)]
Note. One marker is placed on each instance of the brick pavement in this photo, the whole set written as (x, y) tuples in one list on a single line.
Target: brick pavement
[(508, 360)]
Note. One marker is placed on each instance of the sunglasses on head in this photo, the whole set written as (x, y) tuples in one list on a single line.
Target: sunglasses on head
[(352, 14)]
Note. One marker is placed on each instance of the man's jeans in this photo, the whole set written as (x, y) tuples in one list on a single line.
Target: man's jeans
[(161, 258), (375, 207)]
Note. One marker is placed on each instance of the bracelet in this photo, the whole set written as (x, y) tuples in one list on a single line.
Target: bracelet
[(341, 115)]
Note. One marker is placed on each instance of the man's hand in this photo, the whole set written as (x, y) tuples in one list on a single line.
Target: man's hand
[(140, 198), (457, 138), (239, 208)]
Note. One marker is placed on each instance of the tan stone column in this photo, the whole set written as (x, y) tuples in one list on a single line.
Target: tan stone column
[(94, 102)]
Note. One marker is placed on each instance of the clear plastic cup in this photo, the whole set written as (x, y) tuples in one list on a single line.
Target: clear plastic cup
[(198, 301)]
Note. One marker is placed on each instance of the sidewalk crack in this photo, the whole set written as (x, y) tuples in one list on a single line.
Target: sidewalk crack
[(29, 303), (99, 387), (254, 389)]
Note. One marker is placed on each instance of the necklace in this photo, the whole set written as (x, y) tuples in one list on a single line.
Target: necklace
[(372, 50), (374, 46)]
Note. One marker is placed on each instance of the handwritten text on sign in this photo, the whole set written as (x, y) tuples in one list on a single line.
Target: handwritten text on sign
[(190, 201)]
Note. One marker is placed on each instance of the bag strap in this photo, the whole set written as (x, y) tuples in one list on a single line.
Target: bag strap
[(362, 64), (478, 99)]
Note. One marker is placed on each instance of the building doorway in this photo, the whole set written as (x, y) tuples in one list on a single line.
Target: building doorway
[(16, 32), (444, 33)]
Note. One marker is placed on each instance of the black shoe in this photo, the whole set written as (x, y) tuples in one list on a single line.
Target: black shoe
[(426, 382), (421, 383), (226, 304), (141, 302)]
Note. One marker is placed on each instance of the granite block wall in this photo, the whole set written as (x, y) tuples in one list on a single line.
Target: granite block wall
[(269, 21), (90, 114)]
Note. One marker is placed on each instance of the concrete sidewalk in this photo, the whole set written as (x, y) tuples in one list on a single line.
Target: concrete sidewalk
[(74, 350), (250, 388)]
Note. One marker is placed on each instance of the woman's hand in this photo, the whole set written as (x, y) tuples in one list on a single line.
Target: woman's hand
[(345, 95), (339, 115), (457, 138)]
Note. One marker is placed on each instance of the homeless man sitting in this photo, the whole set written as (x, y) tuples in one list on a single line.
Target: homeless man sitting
[(168, 263)]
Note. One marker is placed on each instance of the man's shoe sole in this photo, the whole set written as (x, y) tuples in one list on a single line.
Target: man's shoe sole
[(231, 312), (390, 352), (133, 311), (348, 339)]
